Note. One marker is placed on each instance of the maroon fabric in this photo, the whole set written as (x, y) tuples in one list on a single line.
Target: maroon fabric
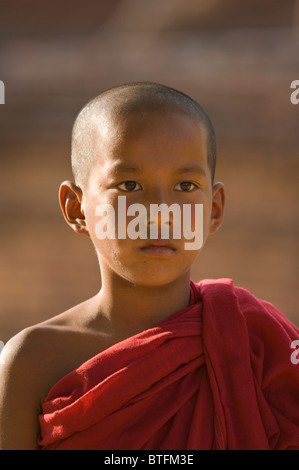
[(215, 375)]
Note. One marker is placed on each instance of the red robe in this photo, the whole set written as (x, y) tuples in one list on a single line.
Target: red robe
[(215, 375)]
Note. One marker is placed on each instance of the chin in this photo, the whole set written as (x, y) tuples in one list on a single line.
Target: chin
[(154, 279)]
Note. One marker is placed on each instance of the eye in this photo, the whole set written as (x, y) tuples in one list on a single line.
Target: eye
[(185, 186), (129, 186)]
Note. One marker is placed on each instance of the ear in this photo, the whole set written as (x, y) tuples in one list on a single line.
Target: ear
[(217, 207), (70, 199)]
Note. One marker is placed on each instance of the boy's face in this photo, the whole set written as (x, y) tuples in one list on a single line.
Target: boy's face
[(151, 159)]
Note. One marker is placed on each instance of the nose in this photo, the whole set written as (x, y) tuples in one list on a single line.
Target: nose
[(159, 215), (157, 205), (164, 217)]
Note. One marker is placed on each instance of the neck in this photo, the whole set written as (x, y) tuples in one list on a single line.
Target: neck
[(133, 308)]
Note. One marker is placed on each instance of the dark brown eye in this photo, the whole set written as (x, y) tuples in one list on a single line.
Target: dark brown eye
[(185, 186), (129, 186)]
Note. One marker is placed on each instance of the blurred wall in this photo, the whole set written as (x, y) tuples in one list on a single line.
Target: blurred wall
[(236, 58)]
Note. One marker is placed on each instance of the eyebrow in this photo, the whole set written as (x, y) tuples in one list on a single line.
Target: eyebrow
[(126, 168), (130, 168), (192, 168)]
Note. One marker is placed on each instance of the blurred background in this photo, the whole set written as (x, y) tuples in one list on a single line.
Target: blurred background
[(237, 59)]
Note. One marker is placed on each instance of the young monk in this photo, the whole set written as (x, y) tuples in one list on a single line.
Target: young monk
[(153, 360)]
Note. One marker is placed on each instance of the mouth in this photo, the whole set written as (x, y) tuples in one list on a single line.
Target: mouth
[(159, 248)]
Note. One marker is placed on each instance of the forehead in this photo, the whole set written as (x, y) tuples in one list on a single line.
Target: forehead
[(169, 137)]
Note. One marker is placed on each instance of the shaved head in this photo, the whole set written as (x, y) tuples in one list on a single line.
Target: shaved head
[(120, 102)]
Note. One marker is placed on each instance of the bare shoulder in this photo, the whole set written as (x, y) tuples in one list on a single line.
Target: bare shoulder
[(22, 360), (47, 347), (31, 363), (46, 352), (22, 342), (21, 351), (20, 390)]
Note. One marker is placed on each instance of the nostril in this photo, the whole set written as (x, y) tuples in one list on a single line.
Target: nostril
[(153, 222)]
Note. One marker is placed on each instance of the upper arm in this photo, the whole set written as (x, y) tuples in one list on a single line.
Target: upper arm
[(19, 395)]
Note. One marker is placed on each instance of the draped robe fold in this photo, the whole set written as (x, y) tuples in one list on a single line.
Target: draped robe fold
[(215, 375)]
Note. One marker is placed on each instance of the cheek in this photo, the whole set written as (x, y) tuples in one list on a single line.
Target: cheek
[(206, 221), (100, 219), (102, 224), (113, 254), (199, 221)]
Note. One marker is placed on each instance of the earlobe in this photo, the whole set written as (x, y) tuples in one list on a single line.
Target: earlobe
[(217, 207), (70, 199)]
